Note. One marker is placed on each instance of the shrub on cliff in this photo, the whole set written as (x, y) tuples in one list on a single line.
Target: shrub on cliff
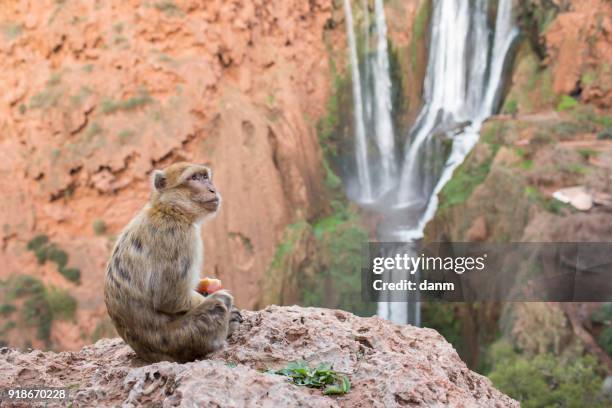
[(547, 380)]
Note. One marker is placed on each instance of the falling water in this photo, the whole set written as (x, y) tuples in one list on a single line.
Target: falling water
[(361, 151), (372, 106), (462, 88), (460, 99), (382, 101)]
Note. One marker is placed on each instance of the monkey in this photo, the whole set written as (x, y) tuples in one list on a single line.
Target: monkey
[(155, 266)]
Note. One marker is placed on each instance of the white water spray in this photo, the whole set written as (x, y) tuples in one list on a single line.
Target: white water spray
[(372, 106), (461, 89), (361, 151)]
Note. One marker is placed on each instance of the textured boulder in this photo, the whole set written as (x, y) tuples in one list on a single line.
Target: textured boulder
[(388, 365)]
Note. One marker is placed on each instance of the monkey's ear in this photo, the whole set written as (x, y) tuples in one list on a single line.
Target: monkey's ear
[(159, 180)]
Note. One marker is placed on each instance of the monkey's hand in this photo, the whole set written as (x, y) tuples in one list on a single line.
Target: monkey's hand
[(224, 296)]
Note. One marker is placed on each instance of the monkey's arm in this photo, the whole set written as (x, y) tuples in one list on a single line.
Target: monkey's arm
[(181, 306), (195, 299)]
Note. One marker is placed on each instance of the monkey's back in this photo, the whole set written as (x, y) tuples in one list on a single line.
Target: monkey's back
[(148, 282)]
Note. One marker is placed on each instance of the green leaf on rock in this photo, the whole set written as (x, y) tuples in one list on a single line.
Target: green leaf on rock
[(323, 377)]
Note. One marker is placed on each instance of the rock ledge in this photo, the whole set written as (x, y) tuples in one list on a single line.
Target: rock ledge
[(388, 365)]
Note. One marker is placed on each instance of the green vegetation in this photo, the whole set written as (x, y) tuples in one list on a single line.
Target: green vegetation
[(48, 97), (588, 78), (340, 238), (40, 305), (549, 204), (99, 227), (329, 129), (556, 207), (510, 107), (37, 242), (142, 98), (472, 172), (104, 329), (566, 103), (93, 129), (576, 168), (323, 377), (322, 260), (331, 277), (6, 327), (54, 79), (45, 251), (169, 8), (35, 310), (605, 121), (567, 128), (466, 178), (77, 99), (125, 135), (11, 31), (588, 153), (443, 318), (72, 274), (7, 309), (603, 317), (605, 134), (605, 340), (62, 304), (421, 20), (546, 380), (419, 30), (327, 126)]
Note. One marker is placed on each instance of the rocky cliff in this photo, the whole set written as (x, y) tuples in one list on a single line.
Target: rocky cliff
[(553, 133), (388, 366), (98, 94)]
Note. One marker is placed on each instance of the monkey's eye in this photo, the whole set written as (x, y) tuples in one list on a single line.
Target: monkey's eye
[(205, 176), (194, 177)]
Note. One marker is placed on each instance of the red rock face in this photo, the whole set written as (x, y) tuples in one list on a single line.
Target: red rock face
[(580, 49), (97, 95)]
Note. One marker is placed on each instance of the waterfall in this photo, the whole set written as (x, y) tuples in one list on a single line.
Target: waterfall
[(447, 104), (372, 106), (382, 91), (461, 89), (361, 150)]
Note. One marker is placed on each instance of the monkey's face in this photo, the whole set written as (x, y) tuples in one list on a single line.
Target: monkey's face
[(189, 187), (202, 190)]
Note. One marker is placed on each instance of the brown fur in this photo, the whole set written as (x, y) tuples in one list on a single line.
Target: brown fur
[(154, 270)]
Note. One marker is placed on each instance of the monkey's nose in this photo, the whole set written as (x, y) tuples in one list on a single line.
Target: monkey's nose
[(212, 190)]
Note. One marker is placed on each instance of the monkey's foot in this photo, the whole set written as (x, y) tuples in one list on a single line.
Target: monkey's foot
[(235, 320)]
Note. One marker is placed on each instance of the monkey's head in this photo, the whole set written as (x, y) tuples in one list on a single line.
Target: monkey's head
[(188, 188)]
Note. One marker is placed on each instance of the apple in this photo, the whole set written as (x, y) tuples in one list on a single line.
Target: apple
[(209, 285)]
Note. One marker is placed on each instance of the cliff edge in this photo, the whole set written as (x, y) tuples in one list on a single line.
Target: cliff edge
[(388, 365)]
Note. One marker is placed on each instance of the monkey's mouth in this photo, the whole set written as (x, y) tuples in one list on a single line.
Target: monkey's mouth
[(211, 204)]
